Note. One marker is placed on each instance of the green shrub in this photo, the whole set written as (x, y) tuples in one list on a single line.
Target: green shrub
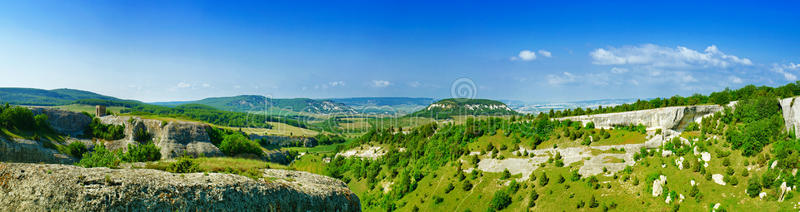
[(236, 144), (466, 186), (17, 118), (141, 135), (500, 200), (693, 126), (100, 157), (76, 149), (184, 165), (105, 131), (543, 180), (40, 122), (753, 187), (142, 153)]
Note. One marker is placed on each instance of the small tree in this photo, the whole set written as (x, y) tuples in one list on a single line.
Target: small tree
[(543, 180), (500, 200)]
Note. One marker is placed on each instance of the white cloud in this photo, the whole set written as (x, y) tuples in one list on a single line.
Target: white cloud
[(618, 70), (786, 70), (735, 79), (655, 56), (414, 84), (206, 85), (528, 55), (336, 83), (545, 53), (380, 83), (184, 85), (560, 79)]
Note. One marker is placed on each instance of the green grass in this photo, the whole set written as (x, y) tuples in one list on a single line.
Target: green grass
[(565, 196), (87, 108), (242, 166)]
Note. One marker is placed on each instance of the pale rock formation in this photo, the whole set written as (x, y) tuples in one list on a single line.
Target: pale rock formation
[(718, 178), (705, 156), (173, 137), (658, 185), (666, 153), (29, 151), (674, 118), (784, 190), (64, 122), (679, 163), (51, 187)]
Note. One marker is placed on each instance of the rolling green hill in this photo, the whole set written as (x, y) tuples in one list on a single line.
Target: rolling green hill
[(255, 103), (446, 108), (385, 105), (33, 96)]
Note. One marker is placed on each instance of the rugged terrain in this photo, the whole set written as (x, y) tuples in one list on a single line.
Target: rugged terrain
[(48, 187)]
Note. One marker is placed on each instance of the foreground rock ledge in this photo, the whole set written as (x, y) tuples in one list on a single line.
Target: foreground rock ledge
[(48, 187)]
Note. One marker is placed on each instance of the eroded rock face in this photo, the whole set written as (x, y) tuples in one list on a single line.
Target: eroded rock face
[(28, 151), (49, 187), (65, 122), (173, 137), (661, 118), (284, 141), (791, 113)]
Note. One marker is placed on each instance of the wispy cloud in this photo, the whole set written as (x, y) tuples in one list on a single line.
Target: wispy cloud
[(735, 79), (651, 55), (336, 83), (528, 55), (380, 83), (560, 79), (184, 85), (545, 53), (787, 70)]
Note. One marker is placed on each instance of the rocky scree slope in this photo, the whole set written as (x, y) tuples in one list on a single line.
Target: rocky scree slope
[(48, 187)]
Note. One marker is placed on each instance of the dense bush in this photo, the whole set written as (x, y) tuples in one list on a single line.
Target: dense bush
[(17, 118), (76, 149), (184, 165), (324, 139), (753, 187), (762, 125), (501, 200), (142, 153), (236, 144), (100, 157), (105, 131), (141, 135)]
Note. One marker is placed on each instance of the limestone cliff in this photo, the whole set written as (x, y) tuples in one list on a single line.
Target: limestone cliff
[(791, 113), (64, 122), (674, 118), (29, 151), (173, 137), (49, 187)]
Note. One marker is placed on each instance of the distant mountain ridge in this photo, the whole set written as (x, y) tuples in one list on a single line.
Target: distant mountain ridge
[(460, 106), (35, 96), (386, 105), (254, 103)]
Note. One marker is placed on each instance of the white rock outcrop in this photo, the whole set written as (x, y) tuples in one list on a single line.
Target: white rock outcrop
[(658, 185), (705, 156), (718, 178), (660, 118), (173, 137)]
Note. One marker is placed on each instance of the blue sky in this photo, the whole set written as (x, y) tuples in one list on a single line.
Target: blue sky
[(531, 51)]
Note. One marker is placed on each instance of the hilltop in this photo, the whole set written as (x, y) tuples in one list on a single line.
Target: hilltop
[(446, 108), (34, 96)]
